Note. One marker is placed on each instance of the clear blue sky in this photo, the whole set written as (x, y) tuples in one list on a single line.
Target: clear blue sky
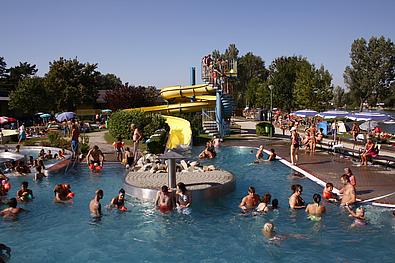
[(155, 42)]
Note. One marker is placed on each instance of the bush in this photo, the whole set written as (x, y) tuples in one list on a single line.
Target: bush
[(263, 129), (56, 140), (84, 144), (148, 123)]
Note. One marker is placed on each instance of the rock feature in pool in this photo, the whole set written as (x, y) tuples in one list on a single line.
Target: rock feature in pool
[(151, 163), (205, 183)]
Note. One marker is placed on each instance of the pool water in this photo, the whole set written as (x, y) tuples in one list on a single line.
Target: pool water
[(35, 153), (214, 232)]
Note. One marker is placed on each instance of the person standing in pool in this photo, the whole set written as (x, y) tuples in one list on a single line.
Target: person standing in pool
[(358, 215), (118, 201), (94, 205), (315, 210), (295, 200), (183, 198), (12, 211), (24, 194), (259, 153), (250, 201), (95, 153), (348, 191), (136, 136), (63, 193), (164, 200)]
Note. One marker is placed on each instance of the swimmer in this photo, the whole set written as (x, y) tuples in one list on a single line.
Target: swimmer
[(327, 193), (265, 202), (295, 200), (95, 153), (315, 210), (164, 200), (268, 232), (250, 201), (259, 153), (272, 155), (5, 253), (94, 205), (63, 193), (12, 211), (274, 204), (24, 194), (358, 215), (348, 191), (118, 201), (39, 174), (183, 197)]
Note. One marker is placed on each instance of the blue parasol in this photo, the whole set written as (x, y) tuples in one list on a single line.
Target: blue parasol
[(65, 116)]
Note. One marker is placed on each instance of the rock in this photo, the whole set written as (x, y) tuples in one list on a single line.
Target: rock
[(140, 162), (146, 167), (194, 164), (154, 168), (184, 165)]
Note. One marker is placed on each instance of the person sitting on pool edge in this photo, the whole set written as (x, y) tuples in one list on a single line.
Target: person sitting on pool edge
[(295, 200), (95, 153), (118, 201), (63, 193), (94, 205), (250, 201), (348, 191), (164, 200), (12, 210), (315, 210), (24, 194), (272, 155)]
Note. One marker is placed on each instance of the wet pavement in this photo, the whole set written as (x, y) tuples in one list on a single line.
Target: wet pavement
[(373, 181)]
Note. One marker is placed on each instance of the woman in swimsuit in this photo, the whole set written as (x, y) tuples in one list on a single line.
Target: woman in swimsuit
[(118, 201), (294, 146), (295, 200), (183, 198), (315, 210), (369, 152)]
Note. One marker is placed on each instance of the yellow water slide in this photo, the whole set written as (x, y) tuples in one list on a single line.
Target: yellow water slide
[(180, 129), (180, 132)]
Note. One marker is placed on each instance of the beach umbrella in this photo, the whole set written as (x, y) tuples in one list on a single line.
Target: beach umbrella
[(368, 116), (65, 116), (368, 124), (45, 115), (305, 113), (333, 114), (10, 119)]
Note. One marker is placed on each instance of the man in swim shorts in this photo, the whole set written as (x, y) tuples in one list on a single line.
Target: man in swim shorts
[(94, 205), (24, 194), (75, 134), (250, 201), (164, 200), (95, 153), (348, 191)]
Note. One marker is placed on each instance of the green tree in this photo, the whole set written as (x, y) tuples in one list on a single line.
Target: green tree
[(72, 83), (303, 91), (20, 72), (372, 71), (3, 68), (338, 97), (108, 81), (30, 96)]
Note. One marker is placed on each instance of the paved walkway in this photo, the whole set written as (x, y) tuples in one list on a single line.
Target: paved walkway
[(97, 138), (372, 181)]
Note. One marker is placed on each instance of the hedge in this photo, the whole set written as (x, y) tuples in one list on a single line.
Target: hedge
[(148, 123), (263, 129)]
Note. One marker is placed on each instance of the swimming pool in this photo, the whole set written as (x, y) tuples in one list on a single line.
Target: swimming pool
[(213, 232)]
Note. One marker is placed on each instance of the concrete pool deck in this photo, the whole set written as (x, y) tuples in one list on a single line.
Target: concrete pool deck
[(375, 183)]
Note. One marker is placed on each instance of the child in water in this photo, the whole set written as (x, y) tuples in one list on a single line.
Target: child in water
[(358, 215), (328, 194)]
